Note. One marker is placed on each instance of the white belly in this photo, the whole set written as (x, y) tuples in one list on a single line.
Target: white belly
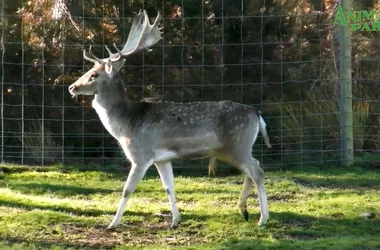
[(164, 155)]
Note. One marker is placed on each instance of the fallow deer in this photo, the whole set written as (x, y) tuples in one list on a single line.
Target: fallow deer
[(212, 161), (158, 132)]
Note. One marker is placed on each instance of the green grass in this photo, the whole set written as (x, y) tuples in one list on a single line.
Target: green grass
[(68, 208)]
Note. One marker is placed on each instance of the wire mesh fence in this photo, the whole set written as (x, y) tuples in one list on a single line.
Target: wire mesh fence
[(278, 56)]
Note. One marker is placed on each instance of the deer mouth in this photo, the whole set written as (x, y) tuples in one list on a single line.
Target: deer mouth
[(73, 89), (82, 90)]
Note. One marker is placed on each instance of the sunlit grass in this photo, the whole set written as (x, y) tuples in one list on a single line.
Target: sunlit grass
[(310, 208)]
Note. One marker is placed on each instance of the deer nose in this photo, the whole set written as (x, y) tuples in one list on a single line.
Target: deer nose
[(72, 88)]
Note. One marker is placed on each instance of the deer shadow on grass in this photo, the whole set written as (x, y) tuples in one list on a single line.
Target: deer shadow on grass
[(57, 189), (51, 243), (194, 168), (333, 182), (96, 212), (335, 223), (292, 230), (59, 208), (70, 190)]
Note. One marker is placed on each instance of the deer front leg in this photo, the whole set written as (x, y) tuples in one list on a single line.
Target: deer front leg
[(135, 175), (166, 173)]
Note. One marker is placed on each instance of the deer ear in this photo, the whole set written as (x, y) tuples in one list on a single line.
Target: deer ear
[(117, 66), (112, 68), (108, 67)]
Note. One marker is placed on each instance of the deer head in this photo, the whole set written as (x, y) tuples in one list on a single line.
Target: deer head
[(141, 36)]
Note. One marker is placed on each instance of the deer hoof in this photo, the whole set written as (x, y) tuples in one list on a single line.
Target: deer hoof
[(111, 226), (263, 220), (244, 212), (175, 223)]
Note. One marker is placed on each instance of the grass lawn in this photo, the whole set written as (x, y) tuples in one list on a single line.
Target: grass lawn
[(313, 208)]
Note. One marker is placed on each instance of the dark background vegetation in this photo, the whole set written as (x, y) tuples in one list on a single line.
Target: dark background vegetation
[(280, 56)]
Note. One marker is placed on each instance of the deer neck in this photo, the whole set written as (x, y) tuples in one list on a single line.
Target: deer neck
[(110, 104), (111, 96)]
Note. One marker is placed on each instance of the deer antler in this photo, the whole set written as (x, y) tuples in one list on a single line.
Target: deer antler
[(141, 36), (92, 58)]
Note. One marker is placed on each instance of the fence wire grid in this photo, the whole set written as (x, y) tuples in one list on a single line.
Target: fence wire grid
[(279, 56)]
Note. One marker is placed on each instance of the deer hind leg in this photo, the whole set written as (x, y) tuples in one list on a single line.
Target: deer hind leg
[(135, 175), (247, 187), (211, 166), (166, 173), (255, 174)]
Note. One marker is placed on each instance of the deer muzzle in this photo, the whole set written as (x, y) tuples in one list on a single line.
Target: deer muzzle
[(73, 89)]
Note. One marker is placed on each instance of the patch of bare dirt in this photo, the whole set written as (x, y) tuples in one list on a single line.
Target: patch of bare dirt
[(337, 215), (302, 182), (96, 236), (297, 223), (275, 197), (237, 182), (300, 236), (280, 198), (145, 233)]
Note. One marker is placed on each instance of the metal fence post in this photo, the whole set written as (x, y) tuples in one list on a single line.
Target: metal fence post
[(346, 122)]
